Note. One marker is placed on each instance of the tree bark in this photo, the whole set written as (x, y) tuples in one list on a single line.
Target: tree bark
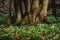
[(43, 13), (34, 11), (17, 11)]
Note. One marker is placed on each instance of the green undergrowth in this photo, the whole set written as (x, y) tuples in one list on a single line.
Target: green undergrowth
[(36, 32)]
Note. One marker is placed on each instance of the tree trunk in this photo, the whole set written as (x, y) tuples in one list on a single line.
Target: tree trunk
[(34, 11), (17, 11), (54, 8), (43, 13)]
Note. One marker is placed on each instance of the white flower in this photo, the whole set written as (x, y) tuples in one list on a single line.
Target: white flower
[(53, 26)]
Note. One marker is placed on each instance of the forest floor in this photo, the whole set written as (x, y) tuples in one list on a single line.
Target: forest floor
[(34, 32)]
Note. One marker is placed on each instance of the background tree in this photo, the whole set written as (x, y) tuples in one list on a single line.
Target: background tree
[(28, 11), (33, 11), (54, 8)]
